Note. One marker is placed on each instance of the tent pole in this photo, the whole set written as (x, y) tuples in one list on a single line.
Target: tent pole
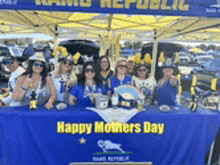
[(55, 38), (154, 54)]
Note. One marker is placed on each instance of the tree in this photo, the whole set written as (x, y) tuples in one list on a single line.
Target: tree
[(128, 44), (188, 47), (202, 46), (211, 47), (138, 44)]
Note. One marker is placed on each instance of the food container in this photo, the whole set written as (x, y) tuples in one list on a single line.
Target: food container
[(101, 102)]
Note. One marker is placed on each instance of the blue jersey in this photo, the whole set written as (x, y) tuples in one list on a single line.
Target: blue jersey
[(82, 92), (166, 94), (114, 82)]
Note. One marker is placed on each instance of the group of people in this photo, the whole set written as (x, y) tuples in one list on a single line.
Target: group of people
[(62, 85)]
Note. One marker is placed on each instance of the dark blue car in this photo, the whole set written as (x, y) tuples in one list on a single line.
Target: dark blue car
[(206, 72)]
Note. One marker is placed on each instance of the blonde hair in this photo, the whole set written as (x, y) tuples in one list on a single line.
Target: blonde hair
[(118, 62), (58, 71)]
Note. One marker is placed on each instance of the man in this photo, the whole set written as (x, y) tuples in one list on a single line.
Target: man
[(12, 64)]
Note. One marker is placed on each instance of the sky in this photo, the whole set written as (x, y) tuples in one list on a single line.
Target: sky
[(35, 36)]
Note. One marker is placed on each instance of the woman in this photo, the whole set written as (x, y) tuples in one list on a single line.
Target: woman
[(142, 80), (120, 77), (36, 79), (89, 83), (104, 69), (166, 90), (63, 78)]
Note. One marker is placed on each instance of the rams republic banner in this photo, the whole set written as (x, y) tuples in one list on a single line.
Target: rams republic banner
[(207, 8)]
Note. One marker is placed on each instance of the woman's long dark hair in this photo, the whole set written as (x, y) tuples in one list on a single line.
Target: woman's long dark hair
[(97, 78), (99, 63), (29, 71)]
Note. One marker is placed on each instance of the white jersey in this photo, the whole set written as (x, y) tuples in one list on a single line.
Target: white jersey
[(147, 83), (59, 83), (12, 83)]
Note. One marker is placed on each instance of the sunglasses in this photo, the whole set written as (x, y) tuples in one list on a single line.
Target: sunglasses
[(38, 65), (104, 62), (122, 66), (142, 70), (89, 70), (68, 63), (8, 61)]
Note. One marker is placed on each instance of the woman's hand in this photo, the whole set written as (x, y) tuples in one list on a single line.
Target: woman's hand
[(173, 78), (70, 83), (49, 105), (27, 81), (72, 100), (173, 81), (1, 103), (139, 90)]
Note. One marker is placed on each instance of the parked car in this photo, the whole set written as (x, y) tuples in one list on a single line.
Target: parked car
[(184, 59), (213, 53), (126, 52), (84, 47), (40, 46), (205, 72), (201, 58)]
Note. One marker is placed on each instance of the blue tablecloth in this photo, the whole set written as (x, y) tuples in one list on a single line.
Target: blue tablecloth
[(29, 137)]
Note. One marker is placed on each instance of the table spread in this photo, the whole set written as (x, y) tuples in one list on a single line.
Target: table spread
[(59, 137)]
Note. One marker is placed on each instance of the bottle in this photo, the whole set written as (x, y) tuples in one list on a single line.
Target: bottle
[(33, 100), (92, 98), (178, 99), (114, 99), (63, 88), (141, 102), (218, 104)]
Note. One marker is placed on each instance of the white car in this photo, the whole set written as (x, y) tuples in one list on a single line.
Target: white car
[(6, 50), (184, 59), (202, 58)]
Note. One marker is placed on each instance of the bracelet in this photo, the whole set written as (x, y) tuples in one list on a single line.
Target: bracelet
[(50, 101), (24, 88)]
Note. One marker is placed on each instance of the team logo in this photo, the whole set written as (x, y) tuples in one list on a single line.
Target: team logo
[(111, 152), (109, 147)]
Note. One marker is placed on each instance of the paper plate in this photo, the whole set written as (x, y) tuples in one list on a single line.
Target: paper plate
[(61, 106), (127, 92), (164, 108)]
